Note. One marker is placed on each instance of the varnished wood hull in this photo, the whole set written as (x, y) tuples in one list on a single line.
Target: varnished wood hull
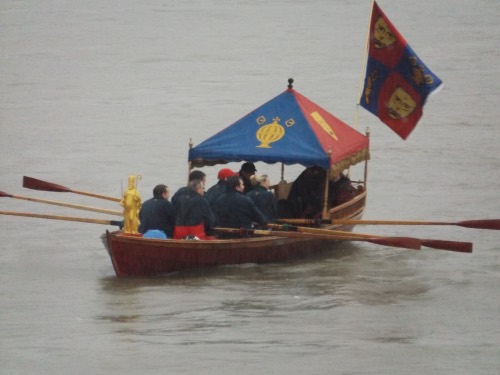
[(139, 257)]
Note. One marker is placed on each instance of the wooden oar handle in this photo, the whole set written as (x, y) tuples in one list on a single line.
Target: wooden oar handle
[(475, 224), (64, 218), (403, 242), (106, 197), (63, 204)]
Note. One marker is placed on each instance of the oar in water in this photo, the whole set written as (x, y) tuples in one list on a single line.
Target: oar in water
[(457, 246), (35, 184), (403, 242), (475, 224), (63, 204), (64, 218)]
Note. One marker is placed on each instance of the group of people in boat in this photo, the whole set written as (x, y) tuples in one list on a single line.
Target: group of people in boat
[(238, 200)]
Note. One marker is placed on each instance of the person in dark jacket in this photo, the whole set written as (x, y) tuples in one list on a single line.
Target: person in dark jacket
[(220, 187), (194, 175), (235, 210), (246, 171), (157, 215), (263, 198), (193, 216), (341, 190), (305, 199)]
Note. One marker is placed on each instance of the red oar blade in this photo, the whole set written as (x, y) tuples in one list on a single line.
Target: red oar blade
[(35, 184), (481, 224), (2, 194), (460, 247), (404, 242)]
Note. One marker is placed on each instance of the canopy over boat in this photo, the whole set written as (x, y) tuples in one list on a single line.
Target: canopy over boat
[(289, 129)]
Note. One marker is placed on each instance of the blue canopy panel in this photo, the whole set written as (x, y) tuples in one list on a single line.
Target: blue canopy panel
[(287, 129)]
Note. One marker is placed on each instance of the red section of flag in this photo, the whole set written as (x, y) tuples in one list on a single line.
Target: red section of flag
[(386, 43), (391, 114)]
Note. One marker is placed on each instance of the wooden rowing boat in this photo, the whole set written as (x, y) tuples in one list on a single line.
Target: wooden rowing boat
[(139, 257), (289, 129), (134, 256)]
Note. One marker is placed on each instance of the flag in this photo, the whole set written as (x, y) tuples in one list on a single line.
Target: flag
[(397, 82)]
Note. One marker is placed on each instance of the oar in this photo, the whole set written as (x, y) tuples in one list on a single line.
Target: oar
[(476, 224), (457, 246), (35, 184), (315, 222), (63, 204), (65, 218), (403, 242)]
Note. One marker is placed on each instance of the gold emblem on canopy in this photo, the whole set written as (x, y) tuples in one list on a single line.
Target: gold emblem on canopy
[(270, 133)]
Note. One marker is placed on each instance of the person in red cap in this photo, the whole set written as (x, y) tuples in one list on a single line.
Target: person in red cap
[(219, 188)]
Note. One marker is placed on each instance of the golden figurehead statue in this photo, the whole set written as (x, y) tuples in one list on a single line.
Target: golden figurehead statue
[(131, 203)]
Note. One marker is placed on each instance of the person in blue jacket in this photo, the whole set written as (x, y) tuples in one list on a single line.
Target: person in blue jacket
[(220, 187), (194, 175), (263, 198), (193, 216), (235, 210), (157, 215)]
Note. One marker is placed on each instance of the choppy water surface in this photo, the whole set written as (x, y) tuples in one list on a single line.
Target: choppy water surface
[(94, 91)]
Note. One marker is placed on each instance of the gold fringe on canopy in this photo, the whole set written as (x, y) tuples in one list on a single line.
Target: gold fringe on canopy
[(351, 160)]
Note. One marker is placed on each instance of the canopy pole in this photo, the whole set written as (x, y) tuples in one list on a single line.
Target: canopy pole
[(325, 214), (190, 166), (282, 171)]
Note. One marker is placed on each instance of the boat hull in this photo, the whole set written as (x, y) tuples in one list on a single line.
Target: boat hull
[(134, 256), (140, 257)]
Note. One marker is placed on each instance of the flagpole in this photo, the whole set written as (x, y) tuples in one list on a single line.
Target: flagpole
[(363, 70)]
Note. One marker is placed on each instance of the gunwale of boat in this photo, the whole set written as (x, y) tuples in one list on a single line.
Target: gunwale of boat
[(246, 241)]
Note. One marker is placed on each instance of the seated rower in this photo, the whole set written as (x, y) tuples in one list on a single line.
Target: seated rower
[(193, 216), (194, 175), (157, 215), (263, 198), (220, 187), (235, 210)]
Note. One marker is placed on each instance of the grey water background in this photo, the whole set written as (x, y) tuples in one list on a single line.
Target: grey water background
[(94, 91)]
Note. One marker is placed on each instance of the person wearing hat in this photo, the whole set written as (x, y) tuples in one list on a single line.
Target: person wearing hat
[(219, 188), (246, 171)]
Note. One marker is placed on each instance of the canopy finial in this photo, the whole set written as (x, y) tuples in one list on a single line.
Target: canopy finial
[(290, 81)]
